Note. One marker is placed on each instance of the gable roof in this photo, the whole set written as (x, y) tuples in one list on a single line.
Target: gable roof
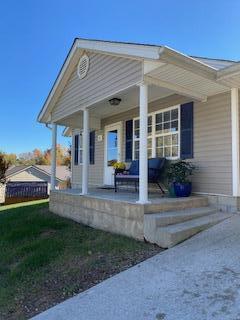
[(16, 169), (127, 49), (62, 172)]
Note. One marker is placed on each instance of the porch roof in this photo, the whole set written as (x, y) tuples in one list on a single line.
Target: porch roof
[(162, 67)]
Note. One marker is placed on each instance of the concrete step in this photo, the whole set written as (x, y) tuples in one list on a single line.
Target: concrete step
[(174, 204), (169, 236), (172, 217)]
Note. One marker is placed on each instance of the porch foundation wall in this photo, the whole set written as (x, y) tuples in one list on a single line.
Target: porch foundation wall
[(113, 216), (224, 203)]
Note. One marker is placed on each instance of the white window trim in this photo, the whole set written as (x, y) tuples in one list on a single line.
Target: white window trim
[(154, 134)]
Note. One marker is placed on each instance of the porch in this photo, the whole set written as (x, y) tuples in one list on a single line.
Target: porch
[(152, 102), (120, 213), (144, 102), (128, 196)]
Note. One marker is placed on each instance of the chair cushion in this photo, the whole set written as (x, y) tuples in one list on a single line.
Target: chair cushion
[(134, 168), (127, 176)]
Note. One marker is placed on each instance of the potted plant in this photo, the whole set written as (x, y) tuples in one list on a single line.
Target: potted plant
[(119, 167), (178, 176)]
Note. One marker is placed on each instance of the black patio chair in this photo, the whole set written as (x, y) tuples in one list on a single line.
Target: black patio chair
[(155, 168)]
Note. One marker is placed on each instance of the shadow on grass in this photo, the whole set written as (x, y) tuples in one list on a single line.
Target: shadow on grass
[(44, 255)]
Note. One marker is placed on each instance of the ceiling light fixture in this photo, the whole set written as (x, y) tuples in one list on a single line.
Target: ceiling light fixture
[(115, 101)]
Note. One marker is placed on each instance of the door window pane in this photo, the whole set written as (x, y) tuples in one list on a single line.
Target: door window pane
[(112, 147)]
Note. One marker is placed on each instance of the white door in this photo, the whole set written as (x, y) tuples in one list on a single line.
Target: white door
[(112, 137)]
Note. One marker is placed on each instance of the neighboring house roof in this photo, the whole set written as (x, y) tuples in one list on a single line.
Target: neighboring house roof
[(212, 68), (215, 63), (15, 169), (62, 172)]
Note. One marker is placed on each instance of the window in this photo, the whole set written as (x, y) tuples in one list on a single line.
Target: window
[(163, 134), (136, 132), (78, 149), (76, 146)]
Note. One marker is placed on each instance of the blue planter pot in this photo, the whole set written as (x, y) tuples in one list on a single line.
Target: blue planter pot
[(182, 189), (171, 191)]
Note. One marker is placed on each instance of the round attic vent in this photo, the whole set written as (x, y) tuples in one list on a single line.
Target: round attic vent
[(83, 66)]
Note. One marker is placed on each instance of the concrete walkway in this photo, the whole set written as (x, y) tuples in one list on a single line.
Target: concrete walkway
[(197, 280)]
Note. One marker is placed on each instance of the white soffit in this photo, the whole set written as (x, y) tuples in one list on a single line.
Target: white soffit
[(173, 74)]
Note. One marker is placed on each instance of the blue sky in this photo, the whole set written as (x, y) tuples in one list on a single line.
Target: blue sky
[(35, 37)]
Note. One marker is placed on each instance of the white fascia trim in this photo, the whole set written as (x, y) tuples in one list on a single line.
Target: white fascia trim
[(185, 62), (131, 50), (229, 71), (184, 57), (57, 82)]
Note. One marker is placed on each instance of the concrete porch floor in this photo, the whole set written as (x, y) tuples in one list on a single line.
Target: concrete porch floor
[(128, 196)]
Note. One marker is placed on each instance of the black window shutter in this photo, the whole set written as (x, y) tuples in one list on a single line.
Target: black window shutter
[(92, 147), (186, 147), (129, 141), (76, 147)]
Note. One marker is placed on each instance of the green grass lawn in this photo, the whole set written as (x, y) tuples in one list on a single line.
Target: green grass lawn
[(45, 259)]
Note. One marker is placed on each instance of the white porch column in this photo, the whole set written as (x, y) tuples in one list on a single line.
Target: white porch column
[(85, 165), (235, 142), (53, 156), (143, 155)]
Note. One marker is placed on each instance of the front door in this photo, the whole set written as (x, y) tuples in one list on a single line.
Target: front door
[(112, 138)]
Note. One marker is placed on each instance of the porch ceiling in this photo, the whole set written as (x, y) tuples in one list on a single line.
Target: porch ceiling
[(129, 100), (103, 109)]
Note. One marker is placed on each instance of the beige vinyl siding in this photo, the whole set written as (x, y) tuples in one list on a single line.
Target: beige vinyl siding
[(212, 143), (95, 170), (107, 75)]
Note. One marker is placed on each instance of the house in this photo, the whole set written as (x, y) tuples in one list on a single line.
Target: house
[(129, 101), (36, 173)]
